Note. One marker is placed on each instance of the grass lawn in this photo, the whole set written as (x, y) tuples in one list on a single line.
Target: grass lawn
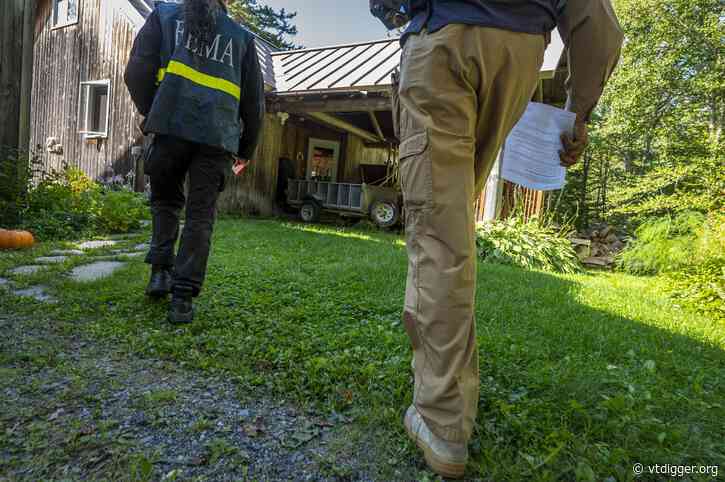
[(581, 376)]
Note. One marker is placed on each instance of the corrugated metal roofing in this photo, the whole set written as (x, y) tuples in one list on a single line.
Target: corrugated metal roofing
[(363, 66), (264, 52)]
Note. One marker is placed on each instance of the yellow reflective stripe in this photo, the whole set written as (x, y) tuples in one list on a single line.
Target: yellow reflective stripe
[(200, 78), (160, 76)]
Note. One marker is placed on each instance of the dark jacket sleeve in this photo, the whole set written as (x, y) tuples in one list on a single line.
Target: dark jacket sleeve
[(593, 38), (251, 103), (144, 64)]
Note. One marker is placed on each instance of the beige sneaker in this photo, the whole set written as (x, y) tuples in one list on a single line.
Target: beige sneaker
[(444, 458)]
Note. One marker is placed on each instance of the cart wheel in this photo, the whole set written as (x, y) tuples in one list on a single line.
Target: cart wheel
[(385, 214), (310, 212)]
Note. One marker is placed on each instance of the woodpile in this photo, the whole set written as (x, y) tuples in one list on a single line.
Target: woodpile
[(598, 247)]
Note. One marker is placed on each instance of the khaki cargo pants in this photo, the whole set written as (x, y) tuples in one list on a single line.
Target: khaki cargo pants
[(462, 89)]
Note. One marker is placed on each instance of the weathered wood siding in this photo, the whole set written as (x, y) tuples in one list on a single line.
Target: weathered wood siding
[(255, 191), (11, 36), (358, 153), (96, 48)]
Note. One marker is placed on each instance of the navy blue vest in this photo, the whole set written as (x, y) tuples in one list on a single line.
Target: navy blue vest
[(528, 16), (199, 83)]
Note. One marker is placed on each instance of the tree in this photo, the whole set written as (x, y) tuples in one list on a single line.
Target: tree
[(657, 133), (268, 23)]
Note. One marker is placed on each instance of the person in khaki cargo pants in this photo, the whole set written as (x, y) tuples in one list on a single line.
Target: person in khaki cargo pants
[(464, 84)]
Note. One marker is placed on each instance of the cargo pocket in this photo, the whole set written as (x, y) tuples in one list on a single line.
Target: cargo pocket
[(416, 171)]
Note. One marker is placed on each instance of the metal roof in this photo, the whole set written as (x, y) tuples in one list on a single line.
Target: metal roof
[(362, 66)]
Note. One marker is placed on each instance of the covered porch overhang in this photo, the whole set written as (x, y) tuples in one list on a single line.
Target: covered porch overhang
[(348, 87)]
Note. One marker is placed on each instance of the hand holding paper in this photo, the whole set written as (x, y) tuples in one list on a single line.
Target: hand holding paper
[(531, 155)]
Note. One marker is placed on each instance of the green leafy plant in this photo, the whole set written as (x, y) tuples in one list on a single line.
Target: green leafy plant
[(16, 170), (663, 245), (121, 211), (67, 204), (530, 244), (64, 204), (690, 250)]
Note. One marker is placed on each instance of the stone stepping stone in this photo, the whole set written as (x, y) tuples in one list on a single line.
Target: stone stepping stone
[(51, 259), (142, 247), (97, 244), (95, 271), (26, 270), (4, 282), (39, 293), (67, 252), (132, 255)]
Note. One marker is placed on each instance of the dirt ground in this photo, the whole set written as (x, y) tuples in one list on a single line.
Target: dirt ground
[(77, 410)]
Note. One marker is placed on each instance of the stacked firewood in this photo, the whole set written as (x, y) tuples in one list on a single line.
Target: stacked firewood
[(598, 246)]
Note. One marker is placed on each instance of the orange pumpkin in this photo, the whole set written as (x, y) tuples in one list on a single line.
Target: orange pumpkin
[(15, 239)]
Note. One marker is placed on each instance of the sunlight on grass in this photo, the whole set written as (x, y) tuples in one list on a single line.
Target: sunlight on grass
[(580, 374)]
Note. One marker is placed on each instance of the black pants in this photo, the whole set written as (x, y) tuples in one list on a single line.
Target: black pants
[(169, 161)]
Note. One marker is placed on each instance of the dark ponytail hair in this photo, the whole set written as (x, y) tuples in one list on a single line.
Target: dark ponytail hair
[(200, 17)]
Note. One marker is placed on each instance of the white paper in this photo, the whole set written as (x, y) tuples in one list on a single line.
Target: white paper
[(531, 152)]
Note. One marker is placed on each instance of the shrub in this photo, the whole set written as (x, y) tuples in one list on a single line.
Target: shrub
[(121, 211), (663, 245), (528, 244), (68, 204), (690, 250), (15, 174)]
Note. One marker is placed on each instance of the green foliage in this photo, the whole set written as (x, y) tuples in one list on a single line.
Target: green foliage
[(657, 143), (63, 205), (581, 374), (121, 212), (663, 245), (15, 175), (701, 288), (669, 190), (690, 250), (270, 24), (66, 204), (528, 244)]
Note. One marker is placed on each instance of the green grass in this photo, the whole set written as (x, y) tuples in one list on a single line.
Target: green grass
[(582, 376)]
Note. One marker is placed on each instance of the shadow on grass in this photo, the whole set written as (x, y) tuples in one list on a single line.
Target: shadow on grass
[(581, 376)]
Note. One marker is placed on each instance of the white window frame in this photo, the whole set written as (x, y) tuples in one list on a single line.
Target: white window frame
[(55, 24), (84, 122)]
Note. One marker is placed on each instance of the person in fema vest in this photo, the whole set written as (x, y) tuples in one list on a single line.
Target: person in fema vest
[(469, 69), (195, 76)]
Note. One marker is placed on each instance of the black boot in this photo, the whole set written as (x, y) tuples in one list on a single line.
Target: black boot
[(160, 283), (181, 311)]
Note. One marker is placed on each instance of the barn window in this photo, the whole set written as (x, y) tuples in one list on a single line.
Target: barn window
[(65, 12), (94, 108)]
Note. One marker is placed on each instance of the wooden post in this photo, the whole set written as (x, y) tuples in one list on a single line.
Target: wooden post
[(26, 75), (11, 21)]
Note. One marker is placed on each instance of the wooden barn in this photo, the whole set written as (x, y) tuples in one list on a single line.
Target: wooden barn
[(81, 112), (328, 108), (331, 105)]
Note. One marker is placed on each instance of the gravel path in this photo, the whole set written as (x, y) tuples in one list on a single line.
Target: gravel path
[(75, 410)]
